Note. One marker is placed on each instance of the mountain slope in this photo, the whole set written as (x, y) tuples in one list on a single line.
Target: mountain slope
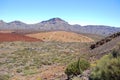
[(105, 45), (56, 24), (105, 40), (97, 29), (61, 36)]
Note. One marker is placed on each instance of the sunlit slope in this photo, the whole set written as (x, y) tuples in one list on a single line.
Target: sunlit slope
[(61, 36)]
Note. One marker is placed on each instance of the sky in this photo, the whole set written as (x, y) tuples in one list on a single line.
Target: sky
[(83, 12)]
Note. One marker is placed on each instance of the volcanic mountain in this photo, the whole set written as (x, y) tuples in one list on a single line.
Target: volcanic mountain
[(61, 36), (57, 24)]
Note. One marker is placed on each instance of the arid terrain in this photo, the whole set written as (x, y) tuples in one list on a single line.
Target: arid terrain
[(60, 40), (61, 36), (28, 54), (33, 57), (6, 36), (34, 60)]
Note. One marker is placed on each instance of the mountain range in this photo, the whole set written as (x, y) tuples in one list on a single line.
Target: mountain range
[(57, 24)]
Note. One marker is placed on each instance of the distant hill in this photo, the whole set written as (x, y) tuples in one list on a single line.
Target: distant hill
[(61, 36), (57, 24), (8, 37)]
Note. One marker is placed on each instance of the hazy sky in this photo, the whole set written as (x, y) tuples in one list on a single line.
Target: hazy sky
[(84, 12)]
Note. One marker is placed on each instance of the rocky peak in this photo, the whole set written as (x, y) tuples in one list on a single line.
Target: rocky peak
[(1, 21), (16, 22), (54, 21)]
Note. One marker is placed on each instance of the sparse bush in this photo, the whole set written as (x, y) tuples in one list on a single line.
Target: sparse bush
[(115, 53), (77, 67), (108, 68), (29, 72), (19, 70)]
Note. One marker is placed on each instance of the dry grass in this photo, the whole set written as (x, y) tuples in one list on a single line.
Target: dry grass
[(28, 59)]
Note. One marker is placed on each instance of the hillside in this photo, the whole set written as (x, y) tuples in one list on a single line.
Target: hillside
[(15, 37), (57, 24), (105, 45), (93, 36), (61, 36), (105, 40), (46, 60)]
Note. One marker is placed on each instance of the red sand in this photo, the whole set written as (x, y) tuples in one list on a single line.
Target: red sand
[(8, 37)]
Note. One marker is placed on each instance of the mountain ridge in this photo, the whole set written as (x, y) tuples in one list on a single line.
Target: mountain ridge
[(58, 24)]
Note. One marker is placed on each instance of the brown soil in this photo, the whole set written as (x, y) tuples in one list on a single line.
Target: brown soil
[(45, 73), (61, 36), (8, 37), (6, 31)]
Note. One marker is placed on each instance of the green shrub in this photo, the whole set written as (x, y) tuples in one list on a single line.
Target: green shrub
[(115, 53), (19, 70), (108, 68), (76, 68), (4, 77)]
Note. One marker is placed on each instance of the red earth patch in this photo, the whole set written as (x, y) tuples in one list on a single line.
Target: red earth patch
[(9, 37)]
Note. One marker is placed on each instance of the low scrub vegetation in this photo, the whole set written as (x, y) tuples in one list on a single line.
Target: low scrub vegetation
[(108, 67), (26, 58), (4, 77), (77, 67)]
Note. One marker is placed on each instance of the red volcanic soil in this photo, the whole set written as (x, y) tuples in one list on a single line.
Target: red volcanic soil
[(8, 37)]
